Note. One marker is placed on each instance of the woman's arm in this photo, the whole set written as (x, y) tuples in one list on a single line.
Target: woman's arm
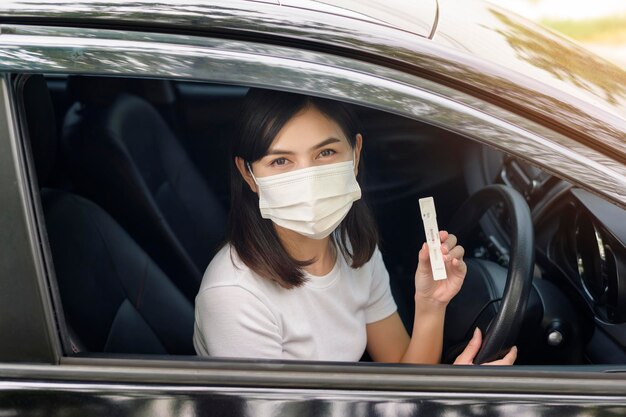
[(387, 339)]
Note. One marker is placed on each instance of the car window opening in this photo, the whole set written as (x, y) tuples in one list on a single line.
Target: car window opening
[(133, 177)]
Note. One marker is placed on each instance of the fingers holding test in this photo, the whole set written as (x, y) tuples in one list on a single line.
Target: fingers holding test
[(423, 254), (460, 266), (456, 252), (449, 242), (454, 260)]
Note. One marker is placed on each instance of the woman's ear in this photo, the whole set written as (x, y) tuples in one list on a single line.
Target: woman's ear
[(357, 152), (243, 170)]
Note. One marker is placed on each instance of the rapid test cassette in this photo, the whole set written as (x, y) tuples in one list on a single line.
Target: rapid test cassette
[(429, 217)]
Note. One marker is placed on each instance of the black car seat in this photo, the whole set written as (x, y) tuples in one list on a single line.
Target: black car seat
[(114, 297), (128, 160)]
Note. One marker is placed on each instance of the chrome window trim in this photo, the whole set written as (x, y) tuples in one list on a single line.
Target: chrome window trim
[(253, 395), (99, 51), (209, 374)]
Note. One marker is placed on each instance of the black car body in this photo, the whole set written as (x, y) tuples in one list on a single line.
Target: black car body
[(525, 108)]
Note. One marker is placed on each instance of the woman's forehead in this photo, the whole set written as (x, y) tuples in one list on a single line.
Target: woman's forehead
[(307, 128)]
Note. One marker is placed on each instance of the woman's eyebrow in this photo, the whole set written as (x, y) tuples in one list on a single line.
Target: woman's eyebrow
[(319, 145), (325, 142), (279, 152)]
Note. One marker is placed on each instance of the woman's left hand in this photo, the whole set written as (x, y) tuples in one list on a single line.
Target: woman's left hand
[(472, 348), (442, 291)]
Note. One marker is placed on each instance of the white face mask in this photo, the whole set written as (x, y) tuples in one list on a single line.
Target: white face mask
[(311, 201)]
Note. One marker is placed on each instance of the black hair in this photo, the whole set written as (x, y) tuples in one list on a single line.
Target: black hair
[(263, 115)]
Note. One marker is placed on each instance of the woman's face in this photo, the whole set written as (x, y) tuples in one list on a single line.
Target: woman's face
[(308, 139)]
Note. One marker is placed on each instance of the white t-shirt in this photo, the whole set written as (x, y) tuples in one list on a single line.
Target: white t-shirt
[(240, 314)]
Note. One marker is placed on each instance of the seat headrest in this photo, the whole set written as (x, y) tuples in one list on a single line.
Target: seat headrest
[(156, 91), (41, 125), (95, 91)]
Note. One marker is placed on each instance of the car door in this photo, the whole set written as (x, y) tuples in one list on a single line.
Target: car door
[(38, 372)]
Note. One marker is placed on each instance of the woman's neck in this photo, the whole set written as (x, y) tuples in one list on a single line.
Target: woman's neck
[(303, 248)]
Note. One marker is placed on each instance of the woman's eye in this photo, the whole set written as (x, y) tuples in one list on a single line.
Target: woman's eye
[(327, 152), (279, 161)]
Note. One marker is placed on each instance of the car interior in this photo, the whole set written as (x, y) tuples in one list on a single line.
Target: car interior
[(132, 177)]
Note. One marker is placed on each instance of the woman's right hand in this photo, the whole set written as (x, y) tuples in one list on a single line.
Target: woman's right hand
[(472, 348)]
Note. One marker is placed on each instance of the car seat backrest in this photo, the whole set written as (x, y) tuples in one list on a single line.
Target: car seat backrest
[(114, 297), (129, 161)]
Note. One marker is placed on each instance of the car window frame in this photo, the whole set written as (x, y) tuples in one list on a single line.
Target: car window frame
[(82, 51), (22, 264)]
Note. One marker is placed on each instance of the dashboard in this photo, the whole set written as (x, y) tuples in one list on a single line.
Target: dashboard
[(580, 242), (591, 231)]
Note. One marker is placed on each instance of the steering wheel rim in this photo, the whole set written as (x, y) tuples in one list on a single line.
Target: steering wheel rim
[(505, 326)]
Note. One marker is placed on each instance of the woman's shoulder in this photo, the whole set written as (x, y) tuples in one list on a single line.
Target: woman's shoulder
[(228, 277), (227, 269)]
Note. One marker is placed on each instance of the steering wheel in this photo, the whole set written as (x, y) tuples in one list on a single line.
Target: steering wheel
[(505, 326)]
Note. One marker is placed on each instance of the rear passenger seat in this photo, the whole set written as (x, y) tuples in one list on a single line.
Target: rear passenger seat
[(114, 297), (124, 156)]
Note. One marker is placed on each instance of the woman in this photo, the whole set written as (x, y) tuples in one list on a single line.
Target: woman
[(301, 276)]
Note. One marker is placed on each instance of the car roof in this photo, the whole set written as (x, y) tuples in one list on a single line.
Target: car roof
[(537, 58), (470, 45), (418, 16)]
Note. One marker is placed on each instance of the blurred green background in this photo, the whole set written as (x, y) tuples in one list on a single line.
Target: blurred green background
[(598, 25)]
